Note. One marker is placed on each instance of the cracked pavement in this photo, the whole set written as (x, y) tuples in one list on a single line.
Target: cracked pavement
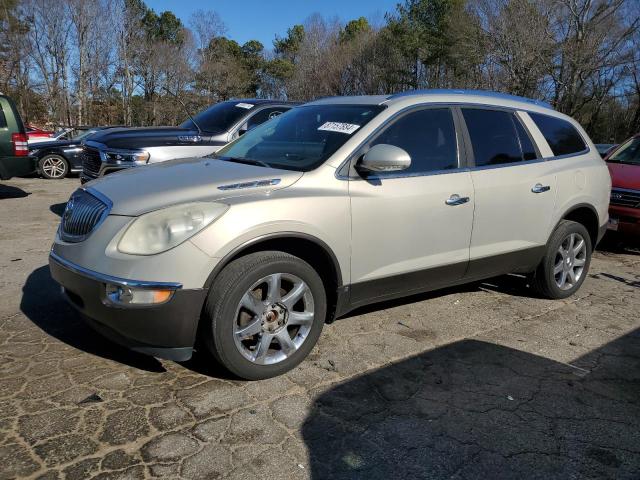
[(480, 381)]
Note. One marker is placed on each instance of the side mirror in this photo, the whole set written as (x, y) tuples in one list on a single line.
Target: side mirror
[(385, 158)]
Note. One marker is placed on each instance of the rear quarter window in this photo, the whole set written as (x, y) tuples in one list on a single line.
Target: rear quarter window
[(562, 137), (3, 119)]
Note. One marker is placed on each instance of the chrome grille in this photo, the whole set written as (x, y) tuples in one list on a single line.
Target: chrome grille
[(625, 198), (84, 211), (91, 162)]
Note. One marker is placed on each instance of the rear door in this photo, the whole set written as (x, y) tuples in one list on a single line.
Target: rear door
[(515, 193), (407, 233)]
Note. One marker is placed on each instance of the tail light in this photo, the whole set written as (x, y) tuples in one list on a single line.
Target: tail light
[(20, 146)]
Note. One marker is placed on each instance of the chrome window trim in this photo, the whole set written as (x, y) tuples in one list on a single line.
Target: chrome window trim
[(396, 175), (103, 278), (570, 155)]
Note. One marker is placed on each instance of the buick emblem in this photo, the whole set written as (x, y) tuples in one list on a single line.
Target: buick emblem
[(617, 196)]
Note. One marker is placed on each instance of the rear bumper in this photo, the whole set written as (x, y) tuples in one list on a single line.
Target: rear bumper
[(16, 167), (167, 330)]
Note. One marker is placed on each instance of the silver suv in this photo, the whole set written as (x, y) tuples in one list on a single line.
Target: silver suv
[(333, 205), (115, 149)]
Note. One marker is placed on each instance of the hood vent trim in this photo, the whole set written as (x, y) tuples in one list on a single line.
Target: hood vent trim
[(258, 183)]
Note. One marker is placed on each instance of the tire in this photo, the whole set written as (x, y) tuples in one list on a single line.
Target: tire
[(53, 167), (555, 265), (231, 311)]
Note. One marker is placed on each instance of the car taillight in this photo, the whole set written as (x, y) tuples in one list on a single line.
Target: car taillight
[(20, 146)]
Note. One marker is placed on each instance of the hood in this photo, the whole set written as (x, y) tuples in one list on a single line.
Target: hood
[(624, 175), (51, 144), (140, 190), (144, 137)]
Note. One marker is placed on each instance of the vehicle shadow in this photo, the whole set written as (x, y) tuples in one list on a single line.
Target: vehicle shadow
[(9, 191), (626, 281), (58, 208), (473, 409), (44, 305), (616, 243)]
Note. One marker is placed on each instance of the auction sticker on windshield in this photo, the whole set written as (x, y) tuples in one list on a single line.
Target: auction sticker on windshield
[(244, 105), (339, 127)]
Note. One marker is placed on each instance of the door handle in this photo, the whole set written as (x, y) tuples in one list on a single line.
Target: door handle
[(539, 188), (456, 199)]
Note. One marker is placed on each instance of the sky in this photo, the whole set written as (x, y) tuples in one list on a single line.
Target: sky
[(264, 19)]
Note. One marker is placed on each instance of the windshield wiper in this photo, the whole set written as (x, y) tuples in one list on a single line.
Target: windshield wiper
[(248, 161)]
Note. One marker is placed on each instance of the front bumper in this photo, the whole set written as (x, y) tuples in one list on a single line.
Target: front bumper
[(105, 169), (166, 330), (628, 220)]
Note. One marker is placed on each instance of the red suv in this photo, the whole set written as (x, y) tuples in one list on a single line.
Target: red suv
[(624, 167)]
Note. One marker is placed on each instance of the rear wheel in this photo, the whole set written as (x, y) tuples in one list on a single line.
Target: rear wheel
[(53, 167), (566, 262), (264, 314)]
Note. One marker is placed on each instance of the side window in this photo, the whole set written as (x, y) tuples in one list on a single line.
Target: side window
[(528, 150), (428, 136), (561, 136), (264, 115), (493, 136), (3, 119)]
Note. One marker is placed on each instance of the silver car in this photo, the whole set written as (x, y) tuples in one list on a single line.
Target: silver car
[(335, 204)]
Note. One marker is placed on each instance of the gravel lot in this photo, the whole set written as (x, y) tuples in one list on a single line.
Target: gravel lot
[(479, 381)]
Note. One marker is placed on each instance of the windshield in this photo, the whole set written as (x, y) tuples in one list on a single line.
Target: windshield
[(220, 117), (302, 138), (84, 134), (629, 152)]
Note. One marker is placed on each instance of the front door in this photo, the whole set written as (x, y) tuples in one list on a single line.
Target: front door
[(411, 229)]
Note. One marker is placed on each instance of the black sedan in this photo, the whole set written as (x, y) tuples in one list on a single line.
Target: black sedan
[(56, 159)]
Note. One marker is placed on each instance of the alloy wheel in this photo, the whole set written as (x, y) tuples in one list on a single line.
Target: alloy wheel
[(570, 260), (273, 319), (54, 167)]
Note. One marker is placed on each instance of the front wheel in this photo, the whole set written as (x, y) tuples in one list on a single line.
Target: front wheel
[(53, 167), (566, 262), (264, 314)]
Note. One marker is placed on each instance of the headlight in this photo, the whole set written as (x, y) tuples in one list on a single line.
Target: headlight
[(158, 231), (138, 157)]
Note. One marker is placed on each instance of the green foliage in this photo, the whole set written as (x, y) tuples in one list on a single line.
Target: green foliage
[(354, 29), (288, 46), (165, 27)]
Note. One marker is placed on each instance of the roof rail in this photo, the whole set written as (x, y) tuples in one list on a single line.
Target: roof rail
[(479, 93)]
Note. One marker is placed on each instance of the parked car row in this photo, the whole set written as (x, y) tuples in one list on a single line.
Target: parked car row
[(117, 149), (292, 239)]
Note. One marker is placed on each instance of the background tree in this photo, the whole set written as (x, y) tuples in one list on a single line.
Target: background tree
[(65, 65)]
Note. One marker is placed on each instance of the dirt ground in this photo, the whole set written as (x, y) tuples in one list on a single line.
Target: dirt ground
[(482, 381)]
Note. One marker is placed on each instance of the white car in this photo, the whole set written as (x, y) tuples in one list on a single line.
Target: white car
[(330, 206)]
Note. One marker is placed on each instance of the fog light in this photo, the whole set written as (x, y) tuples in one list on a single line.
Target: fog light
[(136, 296)]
